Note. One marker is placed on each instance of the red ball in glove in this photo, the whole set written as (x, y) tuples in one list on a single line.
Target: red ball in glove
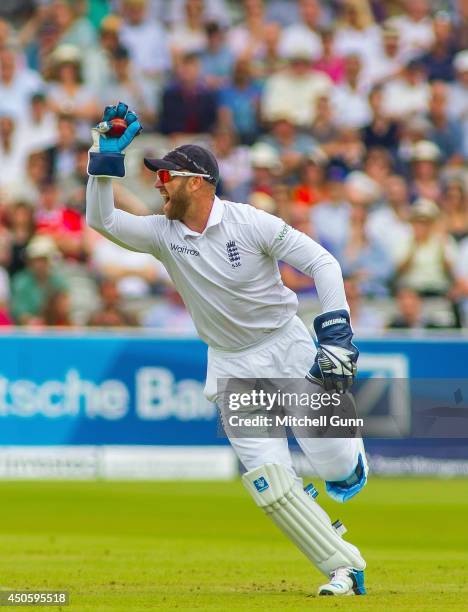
[(118, 127)]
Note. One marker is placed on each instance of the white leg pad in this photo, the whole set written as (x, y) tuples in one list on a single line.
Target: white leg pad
[(300, 518)]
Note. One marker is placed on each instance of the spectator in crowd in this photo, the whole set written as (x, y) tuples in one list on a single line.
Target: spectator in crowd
[(73, 186), (457, 107), (188, 106), (415, 28), (271, 60), (461, 25), (291, 145), (358, 34), (145, 39), (301, 283), (305, 32), (5, 252), (438, 61), (12, 154), (262, 201), (125, 85), (409, 311), (282, 198), (283, 12), (17, 84), (266, 168), (67, 94), (217, 60), (347, 152), (378, 166), (380, 131), (324, 129), (32, 287), (21, 228), (39, 36), (61, 157), (351, 108), (73, 25), (389, 65), (424, 179), (362, 190), (6, 34), (389, 224), (367, 319), (57, 310), (455, 210), (189, 36), (295, 90), (331, 218), (240, 103), (234, 164), (111, 312), (364, 258), (63, 225), (247, 38), (329, 62), (97, 69), (411, 131), (312, 189), (27, 187), (407, 94), (173, 13), (38, 129), (444, 131), (425, 261)]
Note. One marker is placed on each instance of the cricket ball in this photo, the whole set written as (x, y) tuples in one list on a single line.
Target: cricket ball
[(118, 127)]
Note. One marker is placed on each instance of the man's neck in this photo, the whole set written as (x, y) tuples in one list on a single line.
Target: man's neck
[(197, 219)]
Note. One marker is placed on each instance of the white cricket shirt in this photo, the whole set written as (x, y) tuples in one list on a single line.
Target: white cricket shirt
[(228, 275)]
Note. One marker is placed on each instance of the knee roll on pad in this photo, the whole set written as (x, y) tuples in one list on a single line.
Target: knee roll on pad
[(300, 518)]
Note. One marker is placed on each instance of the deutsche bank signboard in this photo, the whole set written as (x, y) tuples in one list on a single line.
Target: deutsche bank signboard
[(70, 389)]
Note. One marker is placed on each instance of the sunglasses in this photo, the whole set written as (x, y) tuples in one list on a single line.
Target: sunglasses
[(167, 175)]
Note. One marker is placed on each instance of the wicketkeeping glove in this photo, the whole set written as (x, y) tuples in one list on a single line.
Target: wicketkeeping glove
[(335, 363), (105, 156)]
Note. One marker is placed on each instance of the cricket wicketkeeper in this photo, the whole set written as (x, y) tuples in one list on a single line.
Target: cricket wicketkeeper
[(223, 259)]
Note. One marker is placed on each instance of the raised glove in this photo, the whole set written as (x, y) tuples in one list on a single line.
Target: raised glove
[(335, 363), (105, 156)]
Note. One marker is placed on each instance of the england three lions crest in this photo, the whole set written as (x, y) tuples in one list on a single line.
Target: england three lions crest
[(233, 253)]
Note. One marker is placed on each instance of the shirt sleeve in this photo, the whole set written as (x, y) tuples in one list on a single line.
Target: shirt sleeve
[(281, 241), (136, 233)]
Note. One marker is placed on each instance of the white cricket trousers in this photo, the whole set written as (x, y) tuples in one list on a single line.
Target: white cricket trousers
[(287, 353)]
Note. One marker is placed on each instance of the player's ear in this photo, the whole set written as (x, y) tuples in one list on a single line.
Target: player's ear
[(195, 183)]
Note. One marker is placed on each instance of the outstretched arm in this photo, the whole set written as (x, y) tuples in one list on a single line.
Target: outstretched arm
[(106, 160), (130, 231)]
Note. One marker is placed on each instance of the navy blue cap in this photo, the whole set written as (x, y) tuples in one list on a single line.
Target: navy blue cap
[(188, 157)]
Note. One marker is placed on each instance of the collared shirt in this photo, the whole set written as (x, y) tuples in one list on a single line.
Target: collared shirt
[(228, 274)]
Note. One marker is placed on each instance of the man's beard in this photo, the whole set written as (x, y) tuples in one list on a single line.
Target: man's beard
[(178, 204)]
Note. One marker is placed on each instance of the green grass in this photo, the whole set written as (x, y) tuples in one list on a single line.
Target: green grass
[(142, 546)]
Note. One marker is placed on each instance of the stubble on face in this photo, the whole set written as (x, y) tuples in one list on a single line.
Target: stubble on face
[(178, 203)]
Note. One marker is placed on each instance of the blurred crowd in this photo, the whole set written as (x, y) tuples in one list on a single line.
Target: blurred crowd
[(348, 118)]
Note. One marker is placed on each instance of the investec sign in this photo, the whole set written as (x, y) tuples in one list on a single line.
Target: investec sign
[(157, 396)]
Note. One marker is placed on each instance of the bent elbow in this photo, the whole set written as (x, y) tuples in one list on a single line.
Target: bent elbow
[(95, 224), (328, 259)]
